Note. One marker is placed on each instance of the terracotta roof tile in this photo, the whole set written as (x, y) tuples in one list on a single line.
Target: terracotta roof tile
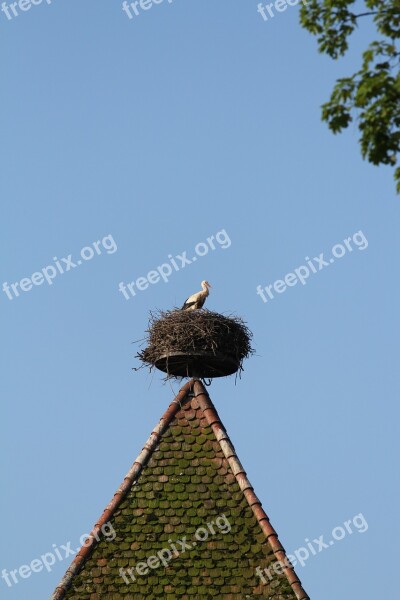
[(187, 483)]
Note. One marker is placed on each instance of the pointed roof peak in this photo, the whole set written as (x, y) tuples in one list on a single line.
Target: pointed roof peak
[(187, 472)]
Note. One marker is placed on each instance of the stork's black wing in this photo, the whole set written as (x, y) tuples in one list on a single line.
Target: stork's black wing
[(187, 304), (200, 302)]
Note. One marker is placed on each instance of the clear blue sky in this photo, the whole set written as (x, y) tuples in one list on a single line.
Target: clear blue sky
[(161, 131)]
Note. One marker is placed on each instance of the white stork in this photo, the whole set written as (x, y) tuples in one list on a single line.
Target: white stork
[(197, 300)]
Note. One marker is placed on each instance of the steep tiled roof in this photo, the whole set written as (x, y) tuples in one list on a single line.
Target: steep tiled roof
[(186, 491)]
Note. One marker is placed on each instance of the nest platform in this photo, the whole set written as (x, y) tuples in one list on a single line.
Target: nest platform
[(198, 343)]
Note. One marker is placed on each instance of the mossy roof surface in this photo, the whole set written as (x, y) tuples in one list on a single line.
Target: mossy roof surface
[(186, 494)]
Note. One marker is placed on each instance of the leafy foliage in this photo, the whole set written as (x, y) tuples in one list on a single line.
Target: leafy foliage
[(372, 94)]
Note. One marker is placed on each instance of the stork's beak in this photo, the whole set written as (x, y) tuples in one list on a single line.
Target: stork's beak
[(208, 284)]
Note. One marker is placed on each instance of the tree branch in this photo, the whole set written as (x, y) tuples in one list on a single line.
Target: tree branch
[(367, 14)]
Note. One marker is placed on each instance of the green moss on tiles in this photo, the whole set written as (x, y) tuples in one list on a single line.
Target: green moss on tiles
[(186, 488)]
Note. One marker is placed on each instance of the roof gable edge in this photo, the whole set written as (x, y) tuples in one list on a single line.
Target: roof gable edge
[(253, 501), (123, 490)]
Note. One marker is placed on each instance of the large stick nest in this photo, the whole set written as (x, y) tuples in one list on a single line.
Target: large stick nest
[(194, 332)]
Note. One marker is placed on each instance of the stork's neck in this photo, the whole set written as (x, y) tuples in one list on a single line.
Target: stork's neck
[(205, 288)]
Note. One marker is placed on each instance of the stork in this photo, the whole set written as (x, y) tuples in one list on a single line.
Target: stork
[(197, 300)]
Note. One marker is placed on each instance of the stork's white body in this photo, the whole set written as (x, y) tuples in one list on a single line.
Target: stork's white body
[(196, 301)]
